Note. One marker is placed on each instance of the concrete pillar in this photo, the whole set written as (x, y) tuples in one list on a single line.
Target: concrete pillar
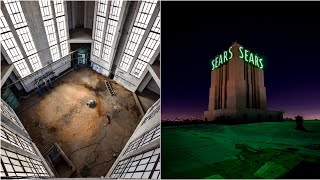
[(249, 85), (73, 4)]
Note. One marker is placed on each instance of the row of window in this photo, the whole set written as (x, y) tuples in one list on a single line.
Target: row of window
[(149, 48), (140, 24), (20, 24), (7, 111), (47, 16), (150, 45), (16, 140), (61, 26), (99, 27), (143, 166), (15, 165), (144, 139), (112, 23)]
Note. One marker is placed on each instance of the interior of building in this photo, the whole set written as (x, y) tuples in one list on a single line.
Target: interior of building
[(80, 89)]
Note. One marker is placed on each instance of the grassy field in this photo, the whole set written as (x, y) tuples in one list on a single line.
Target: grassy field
[(260, 150)]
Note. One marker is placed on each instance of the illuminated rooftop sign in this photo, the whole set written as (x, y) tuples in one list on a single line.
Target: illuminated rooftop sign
[(244, 54)]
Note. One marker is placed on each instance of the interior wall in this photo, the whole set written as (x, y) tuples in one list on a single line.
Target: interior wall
[(89, 6), (79, 13), (152, 85)]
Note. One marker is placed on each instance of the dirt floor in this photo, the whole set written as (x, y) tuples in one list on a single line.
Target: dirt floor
[(249, 151), (62, 116)]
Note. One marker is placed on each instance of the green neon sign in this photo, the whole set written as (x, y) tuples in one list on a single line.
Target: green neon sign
[(244, 54)]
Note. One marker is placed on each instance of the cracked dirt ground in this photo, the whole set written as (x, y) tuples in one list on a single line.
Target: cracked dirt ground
[(62, 116)]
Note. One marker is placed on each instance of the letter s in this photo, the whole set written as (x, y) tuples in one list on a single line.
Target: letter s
[(261, 64), (230, 52), (213, 67), (241, 53)]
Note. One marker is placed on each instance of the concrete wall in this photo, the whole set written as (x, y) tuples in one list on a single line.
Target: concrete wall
[(235, 85), (150, 121), (242, 115), (125, 78), (18, 129), (69, 12), (117, 44), (89, 13), (144, 82), (57, 67), (31, 10), (78, 15), (153, 86), (130, 82)]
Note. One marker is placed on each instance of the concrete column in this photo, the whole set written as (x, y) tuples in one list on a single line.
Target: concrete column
[(231, 99), (123, 14), (56, 28), (212, 93), (104, 28), (224, 76), (73, 4), (250, 86), (85, 14), (263, 98)]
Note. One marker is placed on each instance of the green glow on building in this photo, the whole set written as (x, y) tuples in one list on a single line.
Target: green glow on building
[(244, 54)]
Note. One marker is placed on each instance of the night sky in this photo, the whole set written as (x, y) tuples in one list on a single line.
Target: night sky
[(286, 34)]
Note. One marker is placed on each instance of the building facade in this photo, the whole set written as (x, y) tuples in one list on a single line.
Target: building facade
[(20, 158), (237, 89), (140, 158)]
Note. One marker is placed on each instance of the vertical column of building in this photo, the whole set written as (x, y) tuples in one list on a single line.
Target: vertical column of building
[(249, 81), (255, 89), (61, 20), (114, 21), (263, 99), (224, 86), (48, 21), (217, 89), (257, 74), (240, 82), (212, 90), (231, 84)]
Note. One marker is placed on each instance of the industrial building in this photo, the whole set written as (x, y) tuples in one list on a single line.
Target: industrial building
[(237, 91), (80, 89)]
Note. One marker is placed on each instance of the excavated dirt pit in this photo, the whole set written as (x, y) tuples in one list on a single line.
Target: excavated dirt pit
[(62, 116)]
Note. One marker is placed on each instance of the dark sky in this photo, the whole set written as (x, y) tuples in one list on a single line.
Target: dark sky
[(286, 34)]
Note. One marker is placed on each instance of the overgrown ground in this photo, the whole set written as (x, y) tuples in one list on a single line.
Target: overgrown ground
[(260, 150)]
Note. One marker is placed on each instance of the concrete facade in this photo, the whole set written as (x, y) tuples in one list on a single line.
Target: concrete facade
[(129, 12), (237, 92), (16, 140), (145, 140), (32, 14)]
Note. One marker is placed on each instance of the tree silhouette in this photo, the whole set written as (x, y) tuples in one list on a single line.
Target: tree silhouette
[(299, 122)]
